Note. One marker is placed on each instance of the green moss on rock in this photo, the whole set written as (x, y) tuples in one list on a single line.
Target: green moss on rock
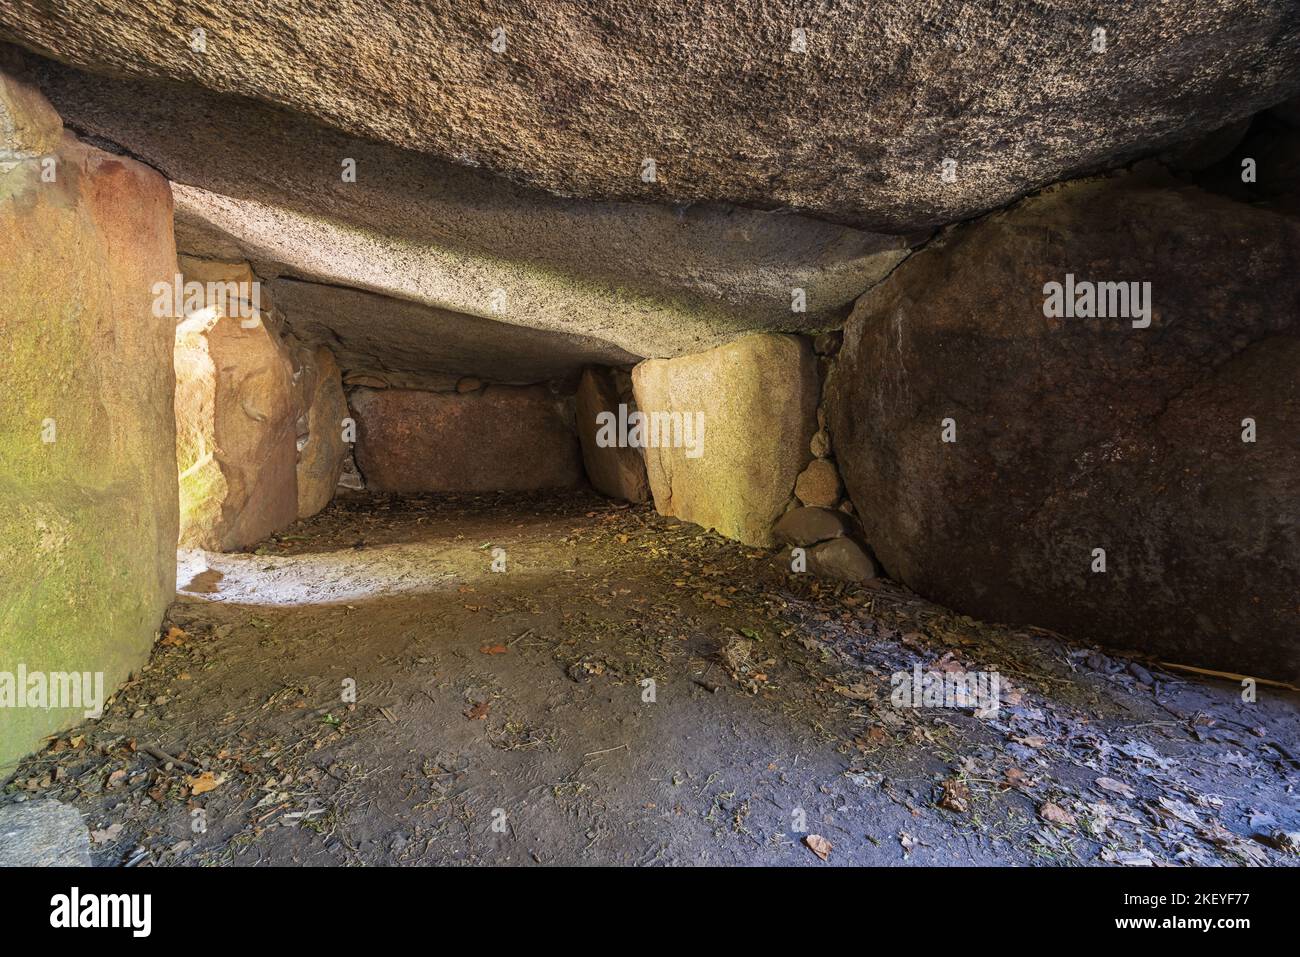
[(88, 500)]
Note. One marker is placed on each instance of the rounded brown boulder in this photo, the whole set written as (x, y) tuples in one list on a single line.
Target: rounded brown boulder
[(1077, 440), (819, 485), (807, 526)]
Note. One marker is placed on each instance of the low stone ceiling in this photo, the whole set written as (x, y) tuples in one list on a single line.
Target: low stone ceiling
[(409, 345), (258, 183), (853, 129), (501, 189)]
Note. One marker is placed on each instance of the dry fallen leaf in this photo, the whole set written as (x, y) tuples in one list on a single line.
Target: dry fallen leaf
[(494, 649), (478, 712), (1288, 841), (1017, 778), (106, 835), (819, 845), (1128, 858), (1115, 787), (1055, 814), (857, 691), (1178, 809), (876, 735), (948, 664), (203, 783), (1247, 850), (175, 636), (956, 796)]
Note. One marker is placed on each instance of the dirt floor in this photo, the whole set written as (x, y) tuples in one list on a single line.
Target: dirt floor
[(505, 717)]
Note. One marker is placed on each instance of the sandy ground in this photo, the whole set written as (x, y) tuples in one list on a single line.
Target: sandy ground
[(632, 690)]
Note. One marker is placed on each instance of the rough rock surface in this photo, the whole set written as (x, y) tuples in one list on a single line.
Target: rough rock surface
[(1076, 434), (29, 125), (43, 833), (88, 505), (842, 559), (758, 399), (256, 183), (808, 526), (415, 346), (616, 471), (820, 445), (1272, 144), (203, 486), (246, 425), (851, 119), (819, 484), (503, 437), (322, 450)]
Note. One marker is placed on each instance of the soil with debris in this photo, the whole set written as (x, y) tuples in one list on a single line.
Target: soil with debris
[(371, 688)]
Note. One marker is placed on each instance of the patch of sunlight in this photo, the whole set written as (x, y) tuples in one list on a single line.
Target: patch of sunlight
[(315, 578)]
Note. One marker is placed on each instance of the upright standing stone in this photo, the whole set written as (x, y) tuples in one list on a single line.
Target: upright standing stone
[(756, 399), (498, 438), (323, 451), (613, 470), (238, 455), (88, 506)]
